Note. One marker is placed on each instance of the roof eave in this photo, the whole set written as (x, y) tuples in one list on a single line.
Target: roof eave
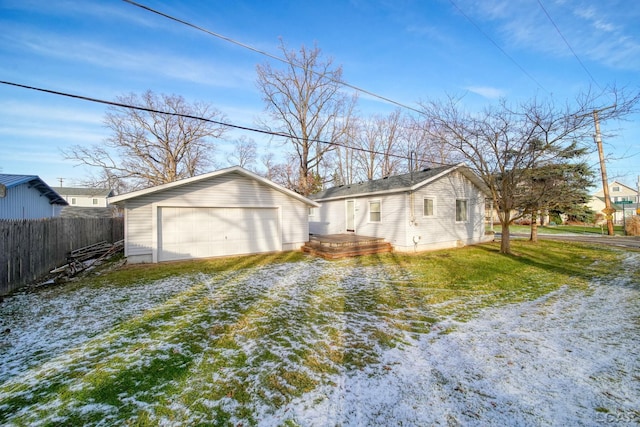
[(121, 198), (413, 187)]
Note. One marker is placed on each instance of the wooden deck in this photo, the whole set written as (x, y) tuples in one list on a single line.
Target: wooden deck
[(334, 246)]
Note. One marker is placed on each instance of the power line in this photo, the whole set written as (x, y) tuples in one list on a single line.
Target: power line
[(217, 122), (270, 55), (496, 45), (567, 43)]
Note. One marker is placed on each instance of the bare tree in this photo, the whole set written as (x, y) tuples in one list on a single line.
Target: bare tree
[(379, 146), (426, 151), (269, 165), (503, 143), (341, 161), (104, 179), (306, 103), (170, 140), (244, 153)]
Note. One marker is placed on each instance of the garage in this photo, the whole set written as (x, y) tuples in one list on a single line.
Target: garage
[(191, 232), (231, 211)]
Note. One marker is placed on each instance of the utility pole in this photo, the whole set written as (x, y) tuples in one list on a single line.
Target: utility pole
[(608, 210), (60, 179)]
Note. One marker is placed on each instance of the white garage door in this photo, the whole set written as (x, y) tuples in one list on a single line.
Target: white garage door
[(185, 233)]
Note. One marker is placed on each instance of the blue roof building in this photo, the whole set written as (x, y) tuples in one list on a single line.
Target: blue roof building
[(28, 197)]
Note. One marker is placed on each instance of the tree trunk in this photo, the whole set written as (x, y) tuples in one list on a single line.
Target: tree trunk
[(534, 227), (505, 241)]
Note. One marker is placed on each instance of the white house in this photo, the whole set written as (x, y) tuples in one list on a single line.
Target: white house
[(85, 197), (431, 209), (228, 212), (625, 200), (28, 197)]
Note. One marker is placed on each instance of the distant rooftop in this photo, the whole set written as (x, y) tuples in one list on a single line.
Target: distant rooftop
[(83, 191)]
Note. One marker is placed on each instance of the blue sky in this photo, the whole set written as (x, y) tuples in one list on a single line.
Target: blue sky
[(408, 51)]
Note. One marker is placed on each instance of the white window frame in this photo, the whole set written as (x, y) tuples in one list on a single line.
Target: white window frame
[(74, 201), (94, 201), (466, 210), (433, 207), (379, 202), (312, 212)]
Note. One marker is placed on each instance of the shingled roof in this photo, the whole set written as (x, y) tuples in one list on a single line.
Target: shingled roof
[(397, 183), (87, 192)]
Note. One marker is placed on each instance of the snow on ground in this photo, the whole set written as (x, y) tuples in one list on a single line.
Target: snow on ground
[(569, 358), (37, 326), (564, 359)]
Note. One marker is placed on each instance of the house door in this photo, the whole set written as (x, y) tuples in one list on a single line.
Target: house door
[(351, 215)]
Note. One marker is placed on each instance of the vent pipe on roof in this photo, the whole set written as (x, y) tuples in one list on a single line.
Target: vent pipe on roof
[(411, 155)]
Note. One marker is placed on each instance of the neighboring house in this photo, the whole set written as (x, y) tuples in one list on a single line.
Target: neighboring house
[(624, 199), (228, 212), (431, 209), (85, 197), (28, 197)]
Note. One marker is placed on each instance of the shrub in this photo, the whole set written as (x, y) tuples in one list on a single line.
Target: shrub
[(633, 226)]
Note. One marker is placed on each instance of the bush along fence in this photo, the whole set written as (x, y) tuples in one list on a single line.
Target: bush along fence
[(29, 249)]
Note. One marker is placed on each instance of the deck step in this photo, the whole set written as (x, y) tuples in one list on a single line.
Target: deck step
[(339, 246)]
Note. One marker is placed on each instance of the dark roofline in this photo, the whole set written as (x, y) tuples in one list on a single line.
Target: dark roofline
[(48, 192), (397, 183), (83, 191)]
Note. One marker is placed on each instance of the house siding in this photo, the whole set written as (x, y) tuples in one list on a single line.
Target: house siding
[(22, 202), (441, 230), (86, 201), (402, 222), (228, 190), (393, 220)]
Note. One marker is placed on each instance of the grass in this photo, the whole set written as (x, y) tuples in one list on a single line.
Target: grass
[(247, 335), (566, 229)]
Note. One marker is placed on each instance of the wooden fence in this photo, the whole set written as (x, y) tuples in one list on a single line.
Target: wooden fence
[(29, 249)]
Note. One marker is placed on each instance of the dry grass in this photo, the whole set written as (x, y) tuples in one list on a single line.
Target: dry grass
[(633, 226)]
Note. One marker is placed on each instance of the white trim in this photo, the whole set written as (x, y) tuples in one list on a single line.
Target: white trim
[(346, 209), (237, 169), (126, 233), (434, 213), (379, 201), (155, 211), (466, 204)]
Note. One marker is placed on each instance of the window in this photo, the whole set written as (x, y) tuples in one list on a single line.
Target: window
[(95, 201), (616, 188), (312, 212), (73, 200), (461, 210), (374, 211), (427, 207)]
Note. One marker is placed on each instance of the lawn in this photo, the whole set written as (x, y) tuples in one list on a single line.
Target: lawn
[(567, 229), (459, 336)]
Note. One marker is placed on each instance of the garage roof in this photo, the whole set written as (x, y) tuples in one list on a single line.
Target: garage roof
[(234, 169)]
